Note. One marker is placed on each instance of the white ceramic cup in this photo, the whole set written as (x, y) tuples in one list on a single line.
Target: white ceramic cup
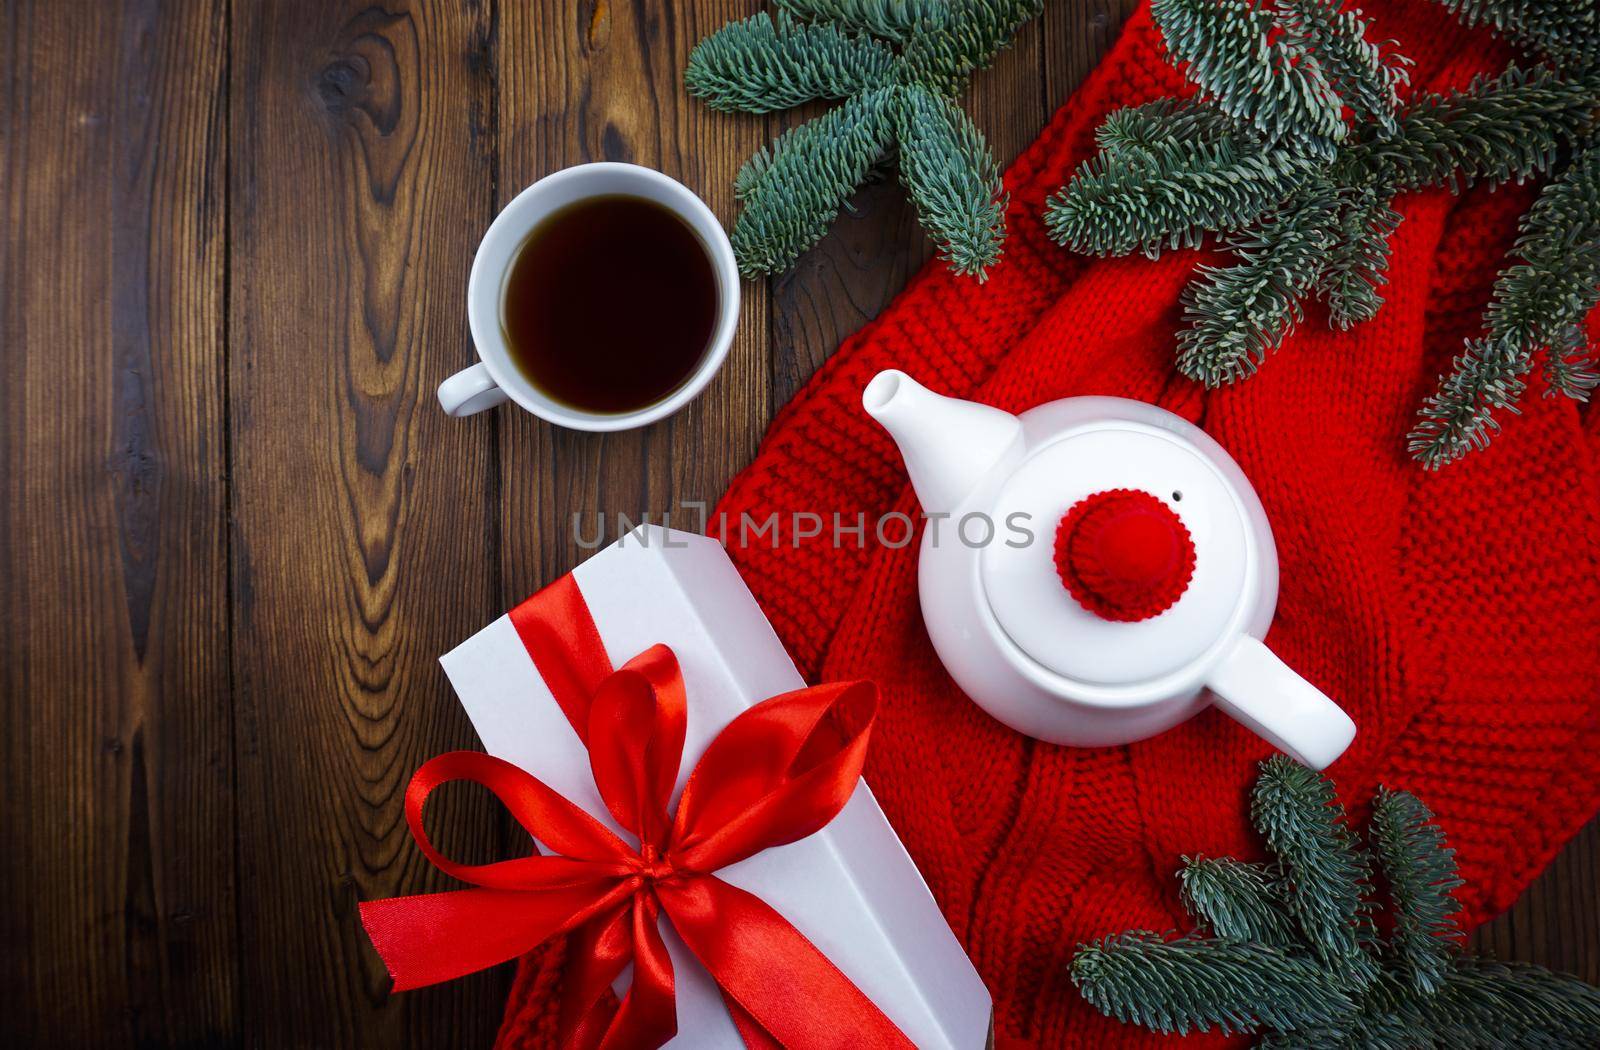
[(496, 378)]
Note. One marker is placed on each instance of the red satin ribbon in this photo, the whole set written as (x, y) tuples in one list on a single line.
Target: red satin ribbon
[(777, 773)]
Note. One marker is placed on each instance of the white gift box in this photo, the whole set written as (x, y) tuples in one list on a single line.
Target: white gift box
[(851, 888)]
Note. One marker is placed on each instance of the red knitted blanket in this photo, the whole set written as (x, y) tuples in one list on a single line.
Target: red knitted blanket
[(1455, 615)]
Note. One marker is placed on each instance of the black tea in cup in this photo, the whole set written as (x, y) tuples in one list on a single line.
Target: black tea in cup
[(610, 304)]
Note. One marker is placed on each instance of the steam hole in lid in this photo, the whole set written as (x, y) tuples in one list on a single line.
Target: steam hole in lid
[(1177, 495)]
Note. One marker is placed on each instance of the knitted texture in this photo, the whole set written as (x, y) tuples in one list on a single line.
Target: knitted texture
[(1455, 615), (1124, 555)]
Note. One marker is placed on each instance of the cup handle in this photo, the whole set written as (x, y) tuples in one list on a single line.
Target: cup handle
[(1259, 690), (469, 391)]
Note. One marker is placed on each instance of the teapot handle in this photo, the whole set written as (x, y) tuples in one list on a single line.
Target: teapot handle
[(1260, 691)]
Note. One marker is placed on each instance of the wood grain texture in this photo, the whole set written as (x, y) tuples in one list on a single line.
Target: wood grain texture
[(362, 534), (1077, 33), (1556, 921), (238, 532), (118, 879)]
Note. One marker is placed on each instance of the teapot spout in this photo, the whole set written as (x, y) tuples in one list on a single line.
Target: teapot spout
[(949, 445)]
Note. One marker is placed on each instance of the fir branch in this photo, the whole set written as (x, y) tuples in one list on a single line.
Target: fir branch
[(1569, 367), (1557, 282), (1299, 815), (1229, 49), (1236, 315), (747, 180), (1382, 1022), (1284, 986), (1166, 122), (953, 178), (1355, 265), (1498, 129), (1565, 30), (897, 63), (793, 191), (1318, 214), (1537, 305), (1488, 376), (1170, 194), (1422, 877), (892, 20), (1201, 984), (761, 64), (1485, 1005), (1367, 79), (1236, 900), (967, 41)]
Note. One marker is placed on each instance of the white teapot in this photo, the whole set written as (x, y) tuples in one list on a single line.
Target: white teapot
[(1104, 571)]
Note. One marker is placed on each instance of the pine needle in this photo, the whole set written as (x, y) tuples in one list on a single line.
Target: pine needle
[(761, 64), (793, 191), (1297, 812), (1357, 69), (1230, 50), (1170, 194), (1356, 264), (965, 42), (892, 20), (1557, 282), (1540, 303), (953, 178), (1499, 129), (1236, 315), (1237, 901), (1486, 1005), (1422, 877), (1565, 30), (1569, 368), (1164, 123), (1489, 376), (1201, 984)]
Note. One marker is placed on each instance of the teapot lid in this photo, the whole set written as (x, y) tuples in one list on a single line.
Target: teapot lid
[(1146, 554)]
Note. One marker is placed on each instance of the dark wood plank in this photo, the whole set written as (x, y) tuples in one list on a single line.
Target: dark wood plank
[(1077, 34), (118, 881), (590, 80), (1556, 921), (362, 177)]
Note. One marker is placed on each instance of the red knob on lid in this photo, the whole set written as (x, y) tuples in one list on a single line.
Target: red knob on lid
[(1124, 555)]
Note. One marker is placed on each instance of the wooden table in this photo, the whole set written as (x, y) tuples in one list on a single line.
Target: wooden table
[(238, 531)]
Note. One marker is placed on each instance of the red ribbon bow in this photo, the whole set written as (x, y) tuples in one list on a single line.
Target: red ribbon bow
[(777, 773)]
